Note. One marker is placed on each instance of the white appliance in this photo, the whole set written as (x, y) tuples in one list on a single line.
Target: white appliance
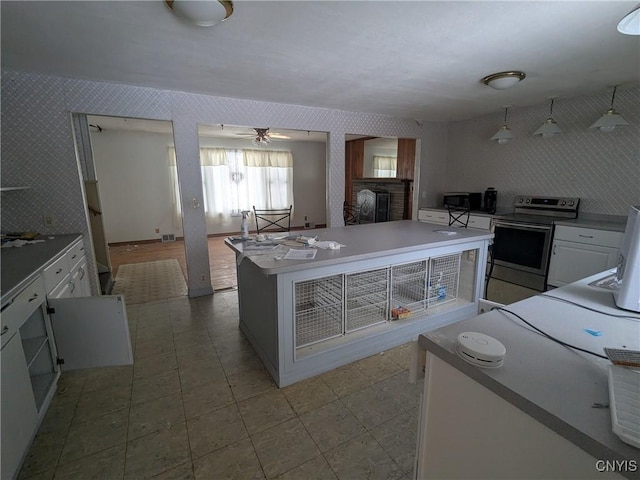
[(627, 294)]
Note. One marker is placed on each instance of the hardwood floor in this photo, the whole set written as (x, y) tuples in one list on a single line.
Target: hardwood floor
[(221, 259)]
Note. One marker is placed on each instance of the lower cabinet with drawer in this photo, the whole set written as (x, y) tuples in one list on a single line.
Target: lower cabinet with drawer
[(578, 252), (441, 217), (46, 330)]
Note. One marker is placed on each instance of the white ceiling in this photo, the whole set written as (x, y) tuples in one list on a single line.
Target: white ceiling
[(417, 59)]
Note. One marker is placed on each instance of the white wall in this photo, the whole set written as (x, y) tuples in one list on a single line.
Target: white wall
[(135, 185)]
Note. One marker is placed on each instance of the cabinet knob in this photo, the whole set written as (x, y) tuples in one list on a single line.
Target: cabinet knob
[(5, 329)]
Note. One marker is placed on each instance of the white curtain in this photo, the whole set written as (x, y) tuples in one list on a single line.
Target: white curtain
[(236, 180), (384, 166)]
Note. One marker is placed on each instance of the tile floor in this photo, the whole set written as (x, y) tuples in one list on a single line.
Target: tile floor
[(198, 404)]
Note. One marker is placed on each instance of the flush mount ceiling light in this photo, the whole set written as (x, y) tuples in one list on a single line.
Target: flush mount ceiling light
[(630, 24), (549, 128), (203, 13), (610, 119), (262, 137), (503, 135), (503, 80)]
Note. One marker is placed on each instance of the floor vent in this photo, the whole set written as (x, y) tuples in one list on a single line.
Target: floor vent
[(169, 237)]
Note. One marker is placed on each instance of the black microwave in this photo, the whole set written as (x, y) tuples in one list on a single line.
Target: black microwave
[(472, 201)]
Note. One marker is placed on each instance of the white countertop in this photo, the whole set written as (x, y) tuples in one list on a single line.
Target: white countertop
[(552, 383), (368, 241)]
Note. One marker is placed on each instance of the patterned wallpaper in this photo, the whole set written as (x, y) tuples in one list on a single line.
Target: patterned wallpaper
[(38, 151), (603, 169), (38, 148)]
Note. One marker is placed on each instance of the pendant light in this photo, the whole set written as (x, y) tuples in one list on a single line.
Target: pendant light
[(610, 119), (203, 13), (630, 24), (503, 135), (549, 128)]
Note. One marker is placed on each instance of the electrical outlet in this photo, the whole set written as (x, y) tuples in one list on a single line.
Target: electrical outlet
[(157, 229), (203, 278), (48, 221)]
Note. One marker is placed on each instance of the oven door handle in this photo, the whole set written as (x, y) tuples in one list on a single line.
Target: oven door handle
[(522, 226)]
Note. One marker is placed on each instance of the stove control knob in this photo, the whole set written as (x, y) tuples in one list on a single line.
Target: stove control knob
[(571, 203), (519, 200), (563, 203), (528, 200)]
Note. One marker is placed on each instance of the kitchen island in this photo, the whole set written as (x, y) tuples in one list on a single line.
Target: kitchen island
[(544, 413), (388, 283)]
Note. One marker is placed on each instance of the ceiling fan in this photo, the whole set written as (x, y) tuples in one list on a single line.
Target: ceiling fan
[(263, 137)]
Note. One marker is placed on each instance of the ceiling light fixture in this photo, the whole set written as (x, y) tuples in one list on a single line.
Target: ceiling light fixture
[(630, 24), (549, 128), (503, 80), (504, 134), (203, 13), (610, 119), (262, 137)]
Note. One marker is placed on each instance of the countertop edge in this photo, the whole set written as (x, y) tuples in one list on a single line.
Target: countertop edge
[(304, 265), (548, 419), (8, 296)]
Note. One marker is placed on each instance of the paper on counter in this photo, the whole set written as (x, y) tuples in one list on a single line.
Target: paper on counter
[(297, 254), (328, 245)]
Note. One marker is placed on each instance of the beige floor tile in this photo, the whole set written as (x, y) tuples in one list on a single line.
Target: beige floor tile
[(157, 452), (158, 414), (205, 398), (346, 380), (332, 425), (407, 394), (363, 458), (42, 456), (99, 402), (91, 436), (372, 406), (241, 362), (146, 389), (284, 447), (398, 437), (401, 355), (107, 464), (378, 367), (234, 462), (247, 384), (153, 346), (108, 377), (181, 472), (197, 373), (316, 469), (152, 365), (215, 430), (265, 410), (309, 394)]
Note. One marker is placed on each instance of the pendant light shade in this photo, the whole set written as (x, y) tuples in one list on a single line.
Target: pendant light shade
[(610, 119), (630, 24), (549, 128), (503, 135), (203, 13)]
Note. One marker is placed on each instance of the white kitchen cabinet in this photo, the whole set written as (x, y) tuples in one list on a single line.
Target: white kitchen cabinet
[(19, 415), (47, 326), (441, 217), (580, 252)]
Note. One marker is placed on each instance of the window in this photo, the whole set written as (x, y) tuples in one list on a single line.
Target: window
[(236, 180), (384, 166)]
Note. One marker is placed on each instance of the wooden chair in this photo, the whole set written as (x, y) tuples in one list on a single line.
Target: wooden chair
[(351, 214), (273, 220), (458, 216)]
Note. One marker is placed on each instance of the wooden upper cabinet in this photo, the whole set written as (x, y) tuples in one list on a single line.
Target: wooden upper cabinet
[(406, 158)]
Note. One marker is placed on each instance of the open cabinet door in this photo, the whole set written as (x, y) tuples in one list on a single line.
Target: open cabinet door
[(91, 331)]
